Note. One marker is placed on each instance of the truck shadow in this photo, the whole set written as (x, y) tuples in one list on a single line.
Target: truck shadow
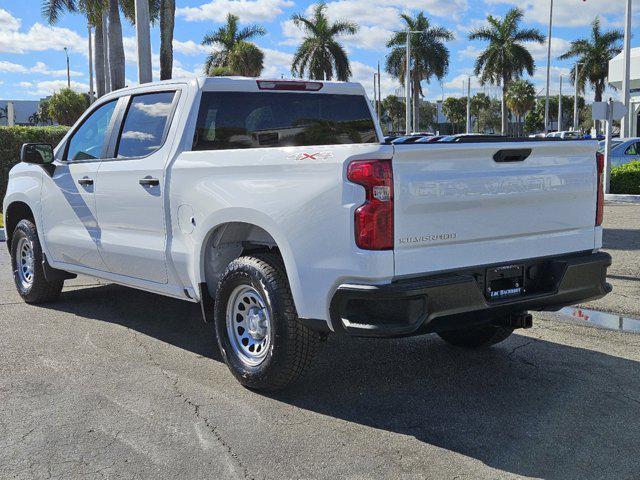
[(529, 407)]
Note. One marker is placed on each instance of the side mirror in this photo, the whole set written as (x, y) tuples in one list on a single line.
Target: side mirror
[(38, 153)]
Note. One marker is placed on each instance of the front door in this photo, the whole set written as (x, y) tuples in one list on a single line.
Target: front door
[(130, 196), (70, 227)]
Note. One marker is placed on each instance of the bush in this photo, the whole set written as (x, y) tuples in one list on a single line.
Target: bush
[(626, 178), (12, 138), (66, 106)]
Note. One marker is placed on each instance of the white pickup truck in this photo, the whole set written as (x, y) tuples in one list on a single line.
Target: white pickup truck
[(278, 207)]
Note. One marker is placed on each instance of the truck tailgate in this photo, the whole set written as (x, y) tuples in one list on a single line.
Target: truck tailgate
[(456, 206)]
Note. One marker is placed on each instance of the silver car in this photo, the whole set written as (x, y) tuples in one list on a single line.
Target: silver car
[(623, 150)]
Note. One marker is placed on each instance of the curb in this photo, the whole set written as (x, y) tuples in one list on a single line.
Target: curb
[(613, 197)]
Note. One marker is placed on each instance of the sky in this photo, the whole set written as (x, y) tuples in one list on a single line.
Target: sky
[(33, 65)]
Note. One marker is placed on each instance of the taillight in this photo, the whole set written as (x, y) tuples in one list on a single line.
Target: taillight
[(295, 85), (374, 218), (600, 197)]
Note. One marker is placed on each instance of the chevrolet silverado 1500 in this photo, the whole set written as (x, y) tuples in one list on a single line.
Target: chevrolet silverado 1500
[(277, 207)]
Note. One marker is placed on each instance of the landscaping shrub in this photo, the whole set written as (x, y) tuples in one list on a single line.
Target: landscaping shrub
[(626, 178), (12, 138)]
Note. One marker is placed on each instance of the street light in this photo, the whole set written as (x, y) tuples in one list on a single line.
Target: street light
[(546, 100), (68, 71), (560, 104), (625, 122)]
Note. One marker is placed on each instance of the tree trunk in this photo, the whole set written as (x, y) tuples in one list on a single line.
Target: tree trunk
[(598, 98), (99, 60), (167, 18), (116, 50), (503, 107), (415, 100)]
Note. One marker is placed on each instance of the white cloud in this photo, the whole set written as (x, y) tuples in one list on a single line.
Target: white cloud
[(456, 83), (370, 38), (247, 10), (539, 50), (470, 51), (189, 47), (41, 89), (41, 68), (11, 67), (276, 63), (38, 38), (572, 13)]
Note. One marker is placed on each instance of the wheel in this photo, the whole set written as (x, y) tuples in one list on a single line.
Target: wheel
[(28, 274), (261, 339), (476, 337)]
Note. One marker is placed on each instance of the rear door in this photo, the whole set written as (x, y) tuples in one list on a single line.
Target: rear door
[(130, 189), (460, 205)]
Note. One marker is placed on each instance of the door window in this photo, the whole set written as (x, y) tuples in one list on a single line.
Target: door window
[(633, 149), (145, 125), (88, 140)]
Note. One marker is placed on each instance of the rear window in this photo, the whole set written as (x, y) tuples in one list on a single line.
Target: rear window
[(228, 120)]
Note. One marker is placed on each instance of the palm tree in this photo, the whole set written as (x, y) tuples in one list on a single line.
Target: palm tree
[(320, 55), (594, 54), (167, 20), (92, 10), (230, 38), (430, 56), (520, 97), (505, 58)]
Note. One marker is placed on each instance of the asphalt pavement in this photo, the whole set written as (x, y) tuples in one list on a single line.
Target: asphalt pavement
[(111, 382)]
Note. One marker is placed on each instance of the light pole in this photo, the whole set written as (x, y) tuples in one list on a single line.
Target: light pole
[(560, 105), (546, 99), (379, 94), (66, 53), (469, 105), (575, 97), (625, 122)]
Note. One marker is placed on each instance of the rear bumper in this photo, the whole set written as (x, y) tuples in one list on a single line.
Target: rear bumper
[(444, 301)]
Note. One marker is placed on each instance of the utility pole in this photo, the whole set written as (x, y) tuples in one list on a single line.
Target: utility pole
[(575, 97), (379, 105), (546, 99), (66, 53), (143, 38), (91, 91), (625, 122), (560, 106), (469, 105), (375, 96), (407, 84)]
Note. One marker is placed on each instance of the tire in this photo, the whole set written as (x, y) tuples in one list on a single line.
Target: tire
[(28, 273), (254, 307), (476, 337)]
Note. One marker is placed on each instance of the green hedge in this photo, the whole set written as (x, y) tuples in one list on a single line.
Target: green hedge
[(626, 178), (12, 138)]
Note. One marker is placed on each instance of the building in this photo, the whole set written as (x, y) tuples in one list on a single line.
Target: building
[(23, 111), (615, 80)]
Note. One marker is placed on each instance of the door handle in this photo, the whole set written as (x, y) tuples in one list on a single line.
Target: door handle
[(85, 181), (512, 155), (149, 182)]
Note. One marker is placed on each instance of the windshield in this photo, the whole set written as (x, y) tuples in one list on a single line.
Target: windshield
[(601, 145)]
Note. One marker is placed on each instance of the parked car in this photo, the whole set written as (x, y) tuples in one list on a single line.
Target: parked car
[(623, 150), (429, 139), (407, 139), (274, 205)]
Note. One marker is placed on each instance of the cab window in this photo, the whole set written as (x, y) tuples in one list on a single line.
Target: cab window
[(633, 149), (87, 142), (145, 124)]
